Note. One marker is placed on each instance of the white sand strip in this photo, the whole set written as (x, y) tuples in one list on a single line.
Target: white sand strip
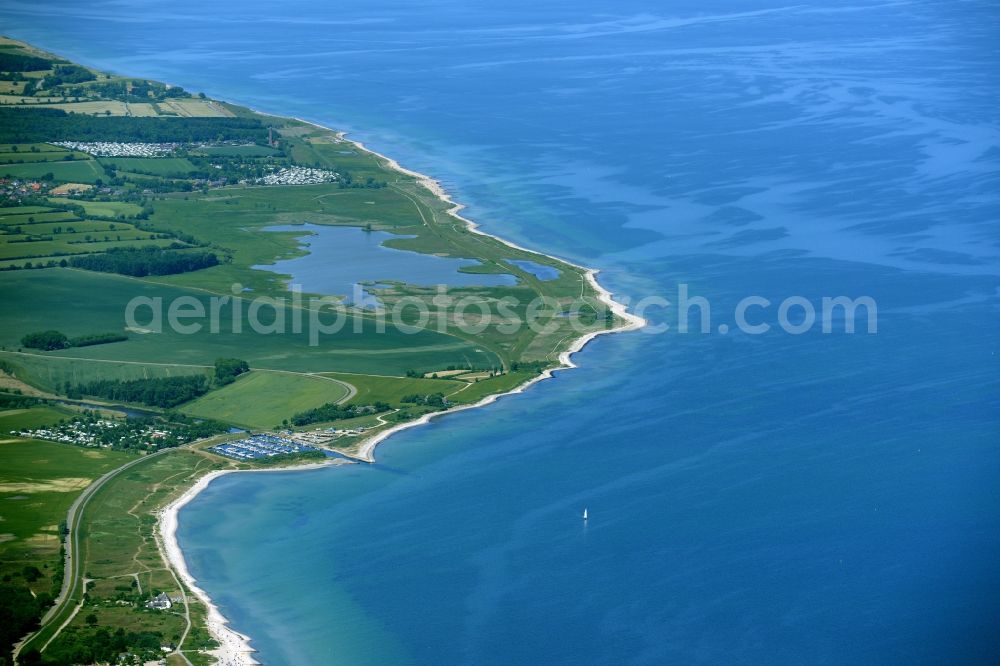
[(234, 648)]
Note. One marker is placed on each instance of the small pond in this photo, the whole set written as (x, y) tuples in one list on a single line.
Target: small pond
[(540, 271)]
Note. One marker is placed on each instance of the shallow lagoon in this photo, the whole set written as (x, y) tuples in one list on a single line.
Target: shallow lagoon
[(342, 259)]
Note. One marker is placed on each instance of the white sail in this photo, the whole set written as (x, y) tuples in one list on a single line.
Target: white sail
[(585, 514)]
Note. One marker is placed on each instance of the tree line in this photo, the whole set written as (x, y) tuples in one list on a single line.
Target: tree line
[(33, 125), (20, 611), (140, 262), (334, 412), (52, 340), (155, 391), (17, 62), (69, 74), (17, 400), (135, 90), (432, 400), (228, 369)]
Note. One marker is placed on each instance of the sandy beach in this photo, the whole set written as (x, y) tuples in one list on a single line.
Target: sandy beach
[(235, 649)]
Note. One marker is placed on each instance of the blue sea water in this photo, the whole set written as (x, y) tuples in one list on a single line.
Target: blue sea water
[(775, 498)]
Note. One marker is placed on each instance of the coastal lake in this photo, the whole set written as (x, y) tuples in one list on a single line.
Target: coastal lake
[(340, 259), (773, 498)]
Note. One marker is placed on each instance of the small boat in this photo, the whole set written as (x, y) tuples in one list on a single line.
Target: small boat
[(585, 514)]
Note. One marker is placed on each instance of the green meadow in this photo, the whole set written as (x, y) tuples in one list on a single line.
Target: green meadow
[(32, 417), (102, 208), (476, 391), (263, 400), (79, 171), (22, 210), (392, 389), (47, 156), (50, 372), (38, 482), (243, 151), (171, 167), (34, 215), (69, 244)]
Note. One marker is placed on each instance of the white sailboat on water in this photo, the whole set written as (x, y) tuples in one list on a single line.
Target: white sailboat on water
[(585, 514)]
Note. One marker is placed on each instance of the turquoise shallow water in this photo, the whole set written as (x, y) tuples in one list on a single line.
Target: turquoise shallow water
[(772, 498)]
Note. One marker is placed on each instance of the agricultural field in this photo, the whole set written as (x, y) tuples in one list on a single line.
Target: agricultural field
[(54, 259), (31, 214), (83, 241), (169, 167), (77, 171), (32, 417), (72, 227), (32, 101), (94, 108), (476, 391), (193, 108), (237, 151), (50, 372), (66, 189), (57, 155), (38, 482), (21, 210), (263, 400), (44, 234), (142, 109), (11, 87), (393, 389), (101, 208)]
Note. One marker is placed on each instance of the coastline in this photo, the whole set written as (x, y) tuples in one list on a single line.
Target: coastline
[(234, 647)]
